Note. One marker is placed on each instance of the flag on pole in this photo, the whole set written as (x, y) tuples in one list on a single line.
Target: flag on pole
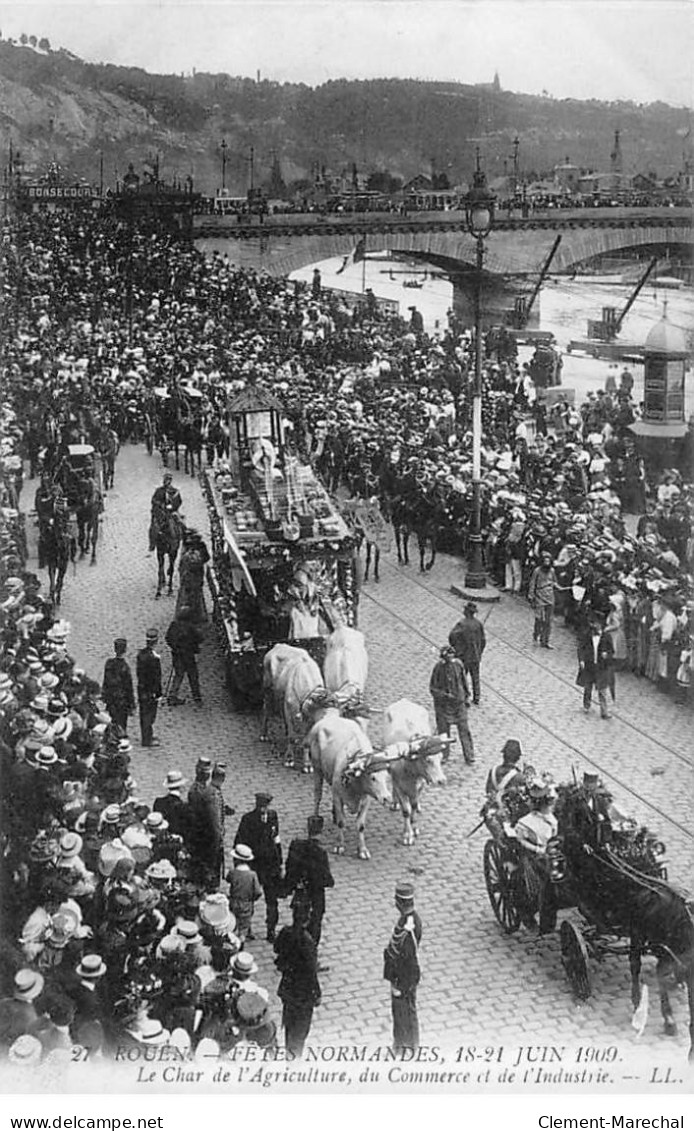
[(355, 256)]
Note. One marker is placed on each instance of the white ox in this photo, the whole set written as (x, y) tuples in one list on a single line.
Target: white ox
[(343, 756), (402, 722), (293, 689), (346, 664)]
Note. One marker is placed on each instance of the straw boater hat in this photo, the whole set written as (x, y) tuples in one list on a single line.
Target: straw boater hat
[(26, 1050), (244, 965), (188, 932), (28, 984), (174, 780), (155, 822), (243, 854), (46, 756), (152, 1032), (70, 845), (91, 967)]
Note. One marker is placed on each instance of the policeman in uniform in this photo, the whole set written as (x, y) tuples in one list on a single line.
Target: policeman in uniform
[(401, 969), (117, 688), (148, 668), (204, 827), (260, 830), (307, 872)]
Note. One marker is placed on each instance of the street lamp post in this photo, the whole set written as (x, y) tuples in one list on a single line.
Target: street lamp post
[(223, 146), (479, 215)]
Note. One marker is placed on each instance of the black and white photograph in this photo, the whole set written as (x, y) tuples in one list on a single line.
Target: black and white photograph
[(346, 553)]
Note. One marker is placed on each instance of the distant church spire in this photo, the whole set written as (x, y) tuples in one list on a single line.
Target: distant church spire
[(496, 84)]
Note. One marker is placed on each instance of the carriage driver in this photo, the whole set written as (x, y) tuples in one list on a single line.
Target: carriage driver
[(534, 831)]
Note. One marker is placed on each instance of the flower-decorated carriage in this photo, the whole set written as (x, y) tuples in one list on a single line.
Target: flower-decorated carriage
[(283, 558), (605, 868)]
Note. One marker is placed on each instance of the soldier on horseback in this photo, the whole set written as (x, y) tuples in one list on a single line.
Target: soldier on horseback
[(57, 545), (166, 501), (166, 528)]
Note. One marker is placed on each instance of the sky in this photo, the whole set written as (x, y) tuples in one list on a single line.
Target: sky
[(637, 50)]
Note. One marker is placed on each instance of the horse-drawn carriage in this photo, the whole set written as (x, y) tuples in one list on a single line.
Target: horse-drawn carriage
[(283, 558), (609, 872), (82, 462)]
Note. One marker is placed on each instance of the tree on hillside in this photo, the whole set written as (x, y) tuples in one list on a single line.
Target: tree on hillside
[(33, 40), (44, 45), (24, 39)]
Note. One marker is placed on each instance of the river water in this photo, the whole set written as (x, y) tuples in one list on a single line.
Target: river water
[(565, 306)]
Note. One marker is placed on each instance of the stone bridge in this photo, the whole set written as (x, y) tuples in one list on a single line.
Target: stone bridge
[(516, 247)]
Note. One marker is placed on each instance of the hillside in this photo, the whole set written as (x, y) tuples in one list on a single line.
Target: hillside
[(55, 107)]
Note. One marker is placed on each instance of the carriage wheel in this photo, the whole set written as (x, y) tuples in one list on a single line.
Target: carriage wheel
[(574, 956), (500, 886)]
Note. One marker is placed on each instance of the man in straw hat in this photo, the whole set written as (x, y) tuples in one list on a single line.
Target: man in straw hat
[(172, 805), (18, 1014), (244, 890), (88, 993), (401, 969)]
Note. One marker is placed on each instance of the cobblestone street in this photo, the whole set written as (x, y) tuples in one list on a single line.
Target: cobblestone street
[(478, 986)]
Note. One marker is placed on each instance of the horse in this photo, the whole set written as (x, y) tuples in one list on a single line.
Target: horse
[(618, 885), (424, 521), (402, 525), (166, 532), (109, 446), (57, 547), (88, 513)]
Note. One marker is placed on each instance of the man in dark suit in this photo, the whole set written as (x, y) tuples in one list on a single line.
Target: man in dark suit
[(184, 639), (204, 827), (117, 687), (260, 830), (468, 641), (299, 989), (596, 663), (307, 874), (148, 668), (88, 993), (172, 807)]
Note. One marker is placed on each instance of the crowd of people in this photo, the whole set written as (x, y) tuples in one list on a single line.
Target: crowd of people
[(116, 927)]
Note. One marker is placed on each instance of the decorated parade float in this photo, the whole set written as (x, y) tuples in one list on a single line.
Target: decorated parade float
[(283, 558)]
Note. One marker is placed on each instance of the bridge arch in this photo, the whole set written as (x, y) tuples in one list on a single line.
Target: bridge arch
[(507, 252)]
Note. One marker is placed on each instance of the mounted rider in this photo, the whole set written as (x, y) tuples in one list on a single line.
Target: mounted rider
[(166, 501)]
